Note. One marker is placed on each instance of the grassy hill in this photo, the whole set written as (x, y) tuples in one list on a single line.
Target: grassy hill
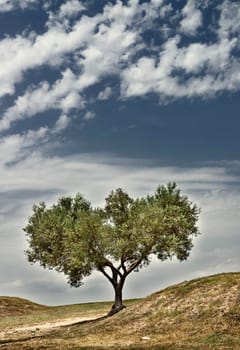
[(11, 306), (199, 314)]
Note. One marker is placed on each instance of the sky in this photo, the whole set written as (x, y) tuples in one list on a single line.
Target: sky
[(96, 95)]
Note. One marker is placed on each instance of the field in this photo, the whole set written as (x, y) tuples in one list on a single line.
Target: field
[(200, 314)]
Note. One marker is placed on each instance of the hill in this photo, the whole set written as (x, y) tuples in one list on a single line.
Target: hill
[(200, 314), (12, 306)]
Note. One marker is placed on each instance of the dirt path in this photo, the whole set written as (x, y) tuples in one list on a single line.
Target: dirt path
[(44, 327)]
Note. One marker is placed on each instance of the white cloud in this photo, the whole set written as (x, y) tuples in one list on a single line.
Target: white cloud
[(229, 22), (20, 54), (195, 57), (5, 5), (105, 94), (8, 5), (62, 123), (99, 174), (62, 95), (110, 43), (166, 10), (107, 50), (192, 18), (121, 14), (70, 8), (72, 100), (16, 147), (209, 68), (152, 74), (89, 115), (11, 52), (117, 27), (157, 3)]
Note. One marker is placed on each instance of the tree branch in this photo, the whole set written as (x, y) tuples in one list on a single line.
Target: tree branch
[(123, 266), (134, 265), (115, 270), (101, 269)]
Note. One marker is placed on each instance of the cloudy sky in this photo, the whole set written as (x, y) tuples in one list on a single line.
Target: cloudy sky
[(96, 95)]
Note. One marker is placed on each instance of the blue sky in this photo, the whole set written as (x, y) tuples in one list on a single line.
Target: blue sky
[(96, 95)]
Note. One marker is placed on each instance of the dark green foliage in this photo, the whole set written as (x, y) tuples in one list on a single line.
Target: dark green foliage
[(74, 238)]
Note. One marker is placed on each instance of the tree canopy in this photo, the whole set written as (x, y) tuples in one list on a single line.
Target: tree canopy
[(75, 238)]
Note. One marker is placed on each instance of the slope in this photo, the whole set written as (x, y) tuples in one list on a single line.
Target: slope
[(12, 306), (204, 311), (199, 314)]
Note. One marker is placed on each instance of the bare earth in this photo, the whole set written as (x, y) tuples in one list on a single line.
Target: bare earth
[(43, 327)]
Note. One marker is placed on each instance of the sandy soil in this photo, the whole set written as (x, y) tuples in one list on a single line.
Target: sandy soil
[(43, 327)]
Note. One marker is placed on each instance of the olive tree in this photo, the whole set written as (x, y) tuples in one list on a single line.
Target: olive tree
[(75, 238)]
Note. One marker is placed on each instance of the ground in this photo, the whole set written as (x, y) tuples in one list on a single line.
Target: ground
[(201, 314)]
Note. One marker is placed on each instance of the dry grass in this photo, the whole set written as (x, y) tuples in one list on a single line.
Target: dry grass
[(200, 314), (23, 312), (11, 306)]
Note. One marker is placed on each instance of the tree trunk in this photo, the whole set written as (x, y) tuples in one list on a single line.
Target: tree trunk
[(118, 305)]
